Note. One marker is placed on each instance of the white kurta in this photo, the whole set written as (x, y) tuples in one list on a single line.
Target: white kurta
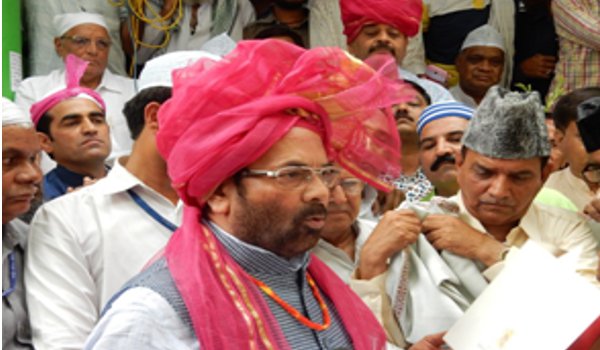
[(571, 186), (460, 96), (114, 89), (84, 247)]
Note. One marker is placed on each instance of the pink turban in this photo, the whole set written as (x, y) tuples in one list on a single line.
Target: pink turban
[(404, 15), (75, 68), (225, 115)]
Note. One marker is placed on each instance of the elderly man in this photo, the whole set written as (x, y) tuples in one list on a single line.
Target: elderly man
[(72, 126), (21, 176), (502, 167), (238, 274), (375, 26), (480, 64), (92, 248), (85, 35)]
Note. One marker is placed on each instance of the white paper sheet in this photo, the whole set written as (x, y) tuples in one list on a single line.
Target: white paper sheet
[(537, 302)]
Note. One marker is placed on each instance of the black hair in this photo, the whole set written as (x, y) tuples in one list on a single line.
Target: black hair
[(420, 90), (280, 30), (565, 110), (134, 108), (43, 124)]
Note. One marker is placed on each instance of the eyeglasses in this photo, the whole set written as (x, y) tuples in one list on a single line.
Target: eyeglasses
[(351, 187), (83, 42), (297, 176), (591, 173)]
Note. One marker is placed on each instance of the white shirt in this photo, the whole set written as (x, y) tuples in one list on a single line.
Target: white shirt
[(114, 89), (461, 96), (85, 245), (437, 92)]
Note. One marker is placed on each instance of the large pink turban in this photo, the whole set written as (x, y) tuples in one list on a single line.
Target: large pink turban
[(75, 68), (224, 115), (405, 15)]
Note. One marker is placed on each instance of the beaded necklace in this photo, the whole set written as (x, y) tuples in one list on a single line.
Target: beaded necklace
[(295, 313)]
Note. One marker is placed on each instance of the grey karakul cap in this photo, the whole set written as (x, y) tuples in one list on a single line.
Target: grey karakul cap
[(588, 123), (508, 125)]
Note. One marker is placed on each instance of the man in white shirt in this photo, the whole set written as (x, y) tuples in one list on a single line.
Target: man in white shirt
[(88, 243), (21, 177), (85, 35), (384, 27), (480, 64)]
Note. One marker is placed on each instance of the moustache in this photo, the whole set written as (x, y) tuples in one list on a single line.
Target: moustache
[(446, 158), (316, 209), (384, 46)]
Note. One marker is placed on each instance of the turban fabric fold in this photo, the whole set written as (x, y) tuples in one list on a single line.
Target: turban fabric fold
[(404, 15), (225, 115), (75, 68)]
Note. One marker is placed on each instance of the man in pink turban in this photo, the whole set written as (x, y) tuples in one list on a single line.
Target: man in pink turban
[(250, 142), (384, 26)]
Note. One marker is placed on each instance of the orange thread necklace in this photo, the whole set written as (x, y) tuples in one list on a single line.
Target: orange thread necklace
[(295, 313)]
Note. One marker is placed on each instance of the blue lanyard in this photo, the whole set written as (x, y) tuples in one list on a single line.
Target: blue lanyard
[(12, 270), (148, 209)]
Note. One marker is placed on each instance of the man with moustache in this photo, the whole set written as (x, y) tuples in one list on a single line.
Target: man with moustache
[(237, 274), (72, 126), (440, 129), (85, 35), (503, 165), (20, 176), (376, 26)]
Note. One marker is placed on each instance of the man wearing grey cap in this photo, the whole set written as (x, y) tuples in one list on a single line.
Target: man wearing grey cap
[(85, 35), (504, 164), (21, 176), (480, 64), (77, 262)]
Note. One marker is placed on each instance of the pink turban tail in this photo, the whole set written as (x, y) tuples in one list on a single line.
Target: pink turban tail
[(404, 15), (75, 68), (225, 115)]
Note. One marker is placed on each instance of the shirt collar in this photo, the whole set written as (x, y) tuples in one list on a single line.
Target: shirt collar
[(255, 259), (119, 179)]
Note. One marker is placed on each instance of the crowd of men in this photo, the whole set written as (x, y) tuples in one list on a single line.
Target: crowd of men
[(260, 194)]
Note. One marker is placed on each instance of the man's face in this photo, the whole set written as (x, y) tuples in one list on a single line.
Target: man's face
[(571, 146), (407, 113), (344, 207), (499, 191), (285, 221), (20, 170), (379, 38), (79, 133), (592, 167), (89, 42), (479, 67), (439, 147)]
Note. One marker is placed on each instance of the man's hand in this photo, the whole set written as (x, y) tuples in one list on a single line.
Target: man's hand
[(592, 209), (538, 66), (430, 342), (449, 233), (395, 231)]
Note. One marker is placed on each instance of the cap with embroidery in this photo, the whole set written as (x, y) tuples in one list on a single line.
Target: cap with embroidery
[(486, 35), (508, 125), (66, 21)]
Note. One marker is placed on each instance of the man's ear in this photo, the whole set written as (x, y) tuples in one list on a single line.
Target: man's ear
[(59, 48), (220, 200), (547, 170), (559, 136), (151, 116), (46, 142)]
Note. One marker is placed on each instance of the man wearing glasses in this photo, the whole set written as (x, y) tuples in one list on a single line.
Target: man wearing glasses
[(570, 180), (21, 176), (251, 155), (85, 35), (588, 124)]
